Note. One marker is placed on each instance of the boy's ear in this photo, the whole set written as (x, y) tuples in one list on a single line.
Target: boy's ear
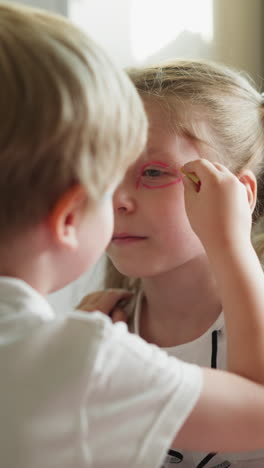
[(249, 180), (66, 215)]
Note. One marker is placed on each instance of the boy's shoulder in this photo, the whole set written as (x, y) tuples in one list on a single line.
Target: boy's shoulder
[(84, 376)]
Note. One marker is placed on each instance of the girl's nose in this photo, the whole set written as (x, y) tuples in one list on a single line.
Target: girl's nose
[(123, 200)]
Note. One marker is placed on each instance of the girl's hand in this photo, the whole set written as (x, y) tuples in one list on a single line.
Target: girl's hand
[(219, 212), (110, 301)]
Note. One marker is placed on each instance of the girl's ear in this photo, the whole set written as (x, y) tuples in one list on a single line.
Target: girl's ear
[(66, 216), (249, 180)]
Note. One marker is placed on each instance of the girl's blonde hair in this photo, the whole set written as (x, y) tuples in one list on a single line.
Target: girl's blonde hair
[(67, 116), (218, 108)]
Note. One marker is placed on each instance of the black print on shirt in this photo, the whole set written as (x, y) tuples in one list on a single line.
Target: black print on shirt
[(175, 458)]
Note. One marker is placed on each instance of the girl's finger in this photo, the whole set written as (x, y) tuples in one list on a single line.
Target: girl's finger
[(221, 168), (120, 304), (199, 167), (206, 171), (119, 315), (105, 301)]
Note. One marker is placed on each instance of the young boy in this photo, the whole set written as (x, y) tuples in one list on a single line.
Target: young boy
[(81, 392)]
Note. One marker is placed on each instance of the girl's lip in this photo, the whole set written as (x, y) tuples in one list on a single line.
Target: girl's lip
[(126, 237)]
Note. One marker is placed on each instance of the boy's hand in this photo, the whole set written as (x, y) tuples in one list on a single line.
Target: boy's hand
[(110, 301), (219, 212)]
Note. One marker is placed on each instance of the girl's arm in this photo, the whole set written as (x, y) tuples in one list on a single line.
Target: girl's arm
[(229, 413), (220, 215), (241, 285)]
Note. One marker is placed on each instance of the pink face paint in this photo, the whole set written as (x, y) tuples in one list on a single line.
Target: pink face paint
[(158, 184)]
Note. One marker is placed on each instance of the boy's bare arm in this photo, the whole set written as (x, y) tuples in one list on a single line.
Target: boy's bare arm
[(228, 405), (220, 215)]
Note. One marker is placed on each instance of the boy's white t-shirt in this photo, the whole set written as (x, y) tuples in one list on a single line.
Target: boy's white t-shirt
[(81, 392), (209, 350)]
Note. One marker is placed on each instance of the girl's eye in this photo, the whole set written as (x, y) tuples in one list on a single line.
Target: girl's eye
[(157, 176), (153, 173)]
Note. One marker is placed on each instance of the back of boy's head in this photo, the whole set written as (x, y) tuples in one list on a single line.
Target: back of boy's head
[(67, 116)]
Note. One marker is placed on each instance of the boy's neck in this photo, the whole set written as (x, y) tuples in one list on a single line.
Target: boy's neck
[(179, 305), (27, 258)]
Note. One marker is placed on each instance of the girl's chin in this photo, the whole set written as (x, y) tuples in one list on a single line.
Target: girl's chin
[(137, 272)]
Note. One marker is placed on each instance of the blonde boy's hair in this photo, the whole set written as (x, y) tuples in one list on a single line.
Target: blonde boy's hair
[(67, 116), (220, 109)]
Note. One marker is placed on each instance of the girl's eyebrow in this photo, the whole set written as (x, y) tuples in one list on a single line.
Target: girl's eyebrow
[(155, 151)]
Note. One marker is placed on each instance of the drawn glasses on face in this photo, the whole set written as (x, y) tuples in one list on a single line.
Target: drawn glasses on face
[(157, 175)]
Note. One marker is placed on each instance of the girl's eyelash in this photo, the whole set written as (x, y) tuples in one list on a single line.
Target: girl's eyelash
[(154, 169)]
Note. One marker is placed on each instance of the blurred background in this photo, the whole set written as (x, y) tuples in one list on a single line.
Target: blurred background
[(144, 31), (136, 32)]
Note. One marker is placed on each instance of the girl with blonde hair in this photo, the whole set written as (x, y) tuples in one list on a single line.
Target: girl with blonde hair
[(195, 109)]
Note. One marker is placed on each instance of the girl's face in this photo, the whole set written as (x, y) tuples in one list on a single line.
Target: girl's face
[(152, 234)]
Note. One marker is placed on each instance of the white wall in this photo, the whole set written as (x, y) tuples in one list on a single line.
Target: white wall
[(237, 29), (106, 21), (117, 24)]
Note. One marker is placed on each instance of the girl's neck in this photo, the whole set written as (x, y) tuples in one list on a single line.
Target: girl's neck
[(179, 305)]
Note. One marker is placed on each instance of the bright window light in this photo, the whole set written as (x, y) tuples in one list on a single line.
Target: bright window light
[(155, 23)]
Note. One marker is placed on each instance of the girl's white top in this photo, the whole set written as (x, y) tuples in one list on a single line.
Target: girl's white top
[(80, 392), (208, 349)]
